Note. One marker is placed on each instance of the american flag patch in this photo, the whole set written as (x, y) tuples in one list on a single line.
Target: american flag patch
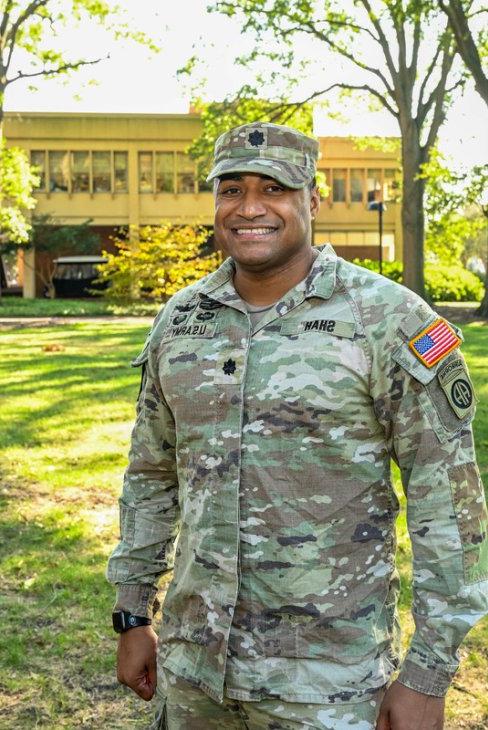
[(434, 342)]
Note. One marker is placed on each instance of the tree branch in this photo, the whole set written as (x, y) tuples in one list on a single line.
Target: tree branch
[(353, 26), (5, 19), (24, 15), (58, 70), (428, 74), (320, 35), (11, 35), (438, 100), (352, 87), (415, 50), (394, 10), (465, 44), (382, 39)]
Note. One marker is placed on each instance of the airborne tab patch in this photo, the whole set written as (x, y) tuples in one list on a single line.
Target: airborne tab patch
[(434, 342)]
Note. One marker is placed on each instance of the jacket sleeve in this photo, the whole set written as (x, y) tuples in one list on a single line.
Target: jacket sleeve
[(428, 427), (149, 500)]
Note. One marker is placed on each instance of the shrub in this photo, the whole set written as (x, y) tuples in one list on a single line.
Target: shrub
[(443, 282), (159, 262)]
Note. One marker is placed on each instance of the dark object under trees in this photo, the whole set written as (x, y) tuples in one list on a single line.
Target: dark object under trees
[(417, 97), (76, 276)]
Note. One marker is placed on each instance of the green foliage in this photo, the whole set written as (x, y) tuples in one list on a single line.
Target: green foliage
[(31, 28), (16, 184), (453, 208), (446, 283), (443, 282), (156, 262), (49, 236), (402, 57)]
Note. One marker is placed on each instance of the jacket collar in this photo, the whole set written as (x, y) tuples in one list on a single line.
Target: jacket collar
[(320, 281)]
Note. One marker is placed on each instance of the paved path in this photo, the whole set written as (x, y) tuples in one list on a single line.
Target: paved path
[(461, 313)]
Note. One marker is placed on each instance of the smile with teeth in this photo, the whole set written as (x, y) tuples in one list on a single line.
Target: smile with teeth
[(261, 231)]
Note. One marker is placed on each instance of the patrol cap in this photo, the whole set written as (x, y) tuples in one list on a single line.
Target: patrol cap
[(282, 153)]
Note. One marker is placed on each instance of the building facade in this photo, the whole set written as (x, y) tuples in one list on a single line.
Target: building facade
[(122, 170)]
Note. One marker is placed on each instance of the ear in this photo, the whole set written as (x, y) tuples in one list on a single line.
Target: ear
[(314, 202)]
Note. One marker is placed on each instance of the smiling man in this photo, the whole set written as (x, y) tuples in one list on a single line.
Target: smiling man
[(275, 393)]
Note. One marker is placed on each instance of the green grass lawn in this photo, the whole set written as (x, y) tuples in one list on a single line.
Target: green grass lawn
[(67, 409)]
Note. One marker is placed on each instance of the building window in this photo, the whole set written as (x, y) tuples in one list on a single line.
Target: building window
[(58, 171), (165, 166), (357, 177), (339, 186), (102, 178), (80, 172), (38, 160), (390, 185), (203, 185), (120, 172), (145, 172), (373, 184), (185, 173)]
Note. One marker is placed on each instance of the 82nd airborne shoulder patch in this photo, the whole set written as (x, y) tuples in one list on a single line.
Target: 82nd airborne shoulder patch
[(434, 342)]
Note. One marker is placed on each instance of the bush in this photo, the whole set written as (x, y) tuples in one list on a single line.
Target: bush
[(159, 262), (443, 282)]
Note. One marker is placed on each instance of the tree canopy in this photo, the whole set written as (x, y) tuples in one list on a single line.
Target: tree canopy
[(35, 27), (403, 57), (16, 183)]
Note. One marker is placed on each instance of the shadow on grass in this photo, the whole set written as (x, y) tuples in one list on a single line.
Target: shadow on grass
[(53, 389), (57, 647)]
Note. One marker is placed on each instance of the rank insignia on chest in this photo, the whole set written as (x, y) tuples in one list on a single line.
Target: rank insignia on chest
[(434, 342)]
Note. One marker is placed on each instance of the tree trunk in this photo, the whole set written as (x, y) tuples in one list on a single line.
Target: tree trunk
[(482, 310), (413, 223)]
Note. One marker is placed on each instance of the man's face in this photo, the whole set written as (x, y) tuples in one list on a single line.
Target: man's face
[(260, 223)]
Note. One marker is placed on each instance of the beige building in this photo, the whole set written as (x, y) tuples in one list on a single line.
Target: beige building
[(121, 170)]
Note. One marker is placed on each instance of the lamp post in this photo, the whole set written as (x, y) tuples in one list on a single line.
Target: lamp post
[(380, 207)]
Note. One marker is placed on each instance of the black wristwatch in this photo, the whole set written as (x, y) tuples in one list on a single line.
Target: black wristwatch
[(123, 621)]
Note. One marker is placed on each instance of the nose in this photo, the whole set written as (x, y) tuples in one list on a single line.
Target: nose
[(251, 205)]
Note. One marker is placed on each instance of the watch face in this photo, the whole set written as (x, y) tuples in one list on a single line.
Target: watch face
[(118, 621)]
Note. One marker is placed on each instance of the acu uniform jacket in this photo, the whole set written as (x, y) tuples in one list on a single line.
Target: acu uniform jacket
[(260, 469)]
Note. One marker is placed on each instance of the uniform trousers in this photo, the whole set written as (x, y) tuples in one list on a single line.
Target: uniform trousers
[(186, 707)]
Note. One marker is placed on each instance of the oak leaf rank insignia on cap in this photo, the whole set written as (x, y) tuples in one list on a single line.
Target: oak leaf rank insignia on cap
[(434, 342), (256, 138)]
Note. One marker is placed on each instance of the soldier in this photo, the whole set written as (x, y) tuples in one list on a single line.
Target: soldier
[(275, 393)]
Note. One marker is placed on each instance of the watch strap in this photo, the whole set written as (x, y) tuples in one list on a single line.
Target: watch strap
[(124, 620)]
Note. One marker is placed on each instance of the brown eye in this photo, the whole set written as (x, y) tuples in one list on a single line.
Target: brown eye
[(274, 188), (234, 190)]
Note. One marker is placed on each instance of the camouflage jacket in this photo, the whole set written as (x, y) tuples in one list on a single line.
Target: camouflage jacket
[(260, 468)]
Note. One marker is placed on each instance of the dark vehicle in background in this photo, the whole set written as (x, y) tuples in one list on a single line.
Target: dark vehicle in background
[(74, 276)]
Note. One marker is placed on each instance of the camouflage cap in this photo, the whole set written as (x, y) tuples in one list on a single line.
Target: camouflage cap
[(282, 153)]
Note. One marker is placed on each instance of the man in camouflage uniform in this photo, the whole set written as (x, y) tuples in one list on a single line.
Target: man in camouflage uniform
[(275, 392)]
